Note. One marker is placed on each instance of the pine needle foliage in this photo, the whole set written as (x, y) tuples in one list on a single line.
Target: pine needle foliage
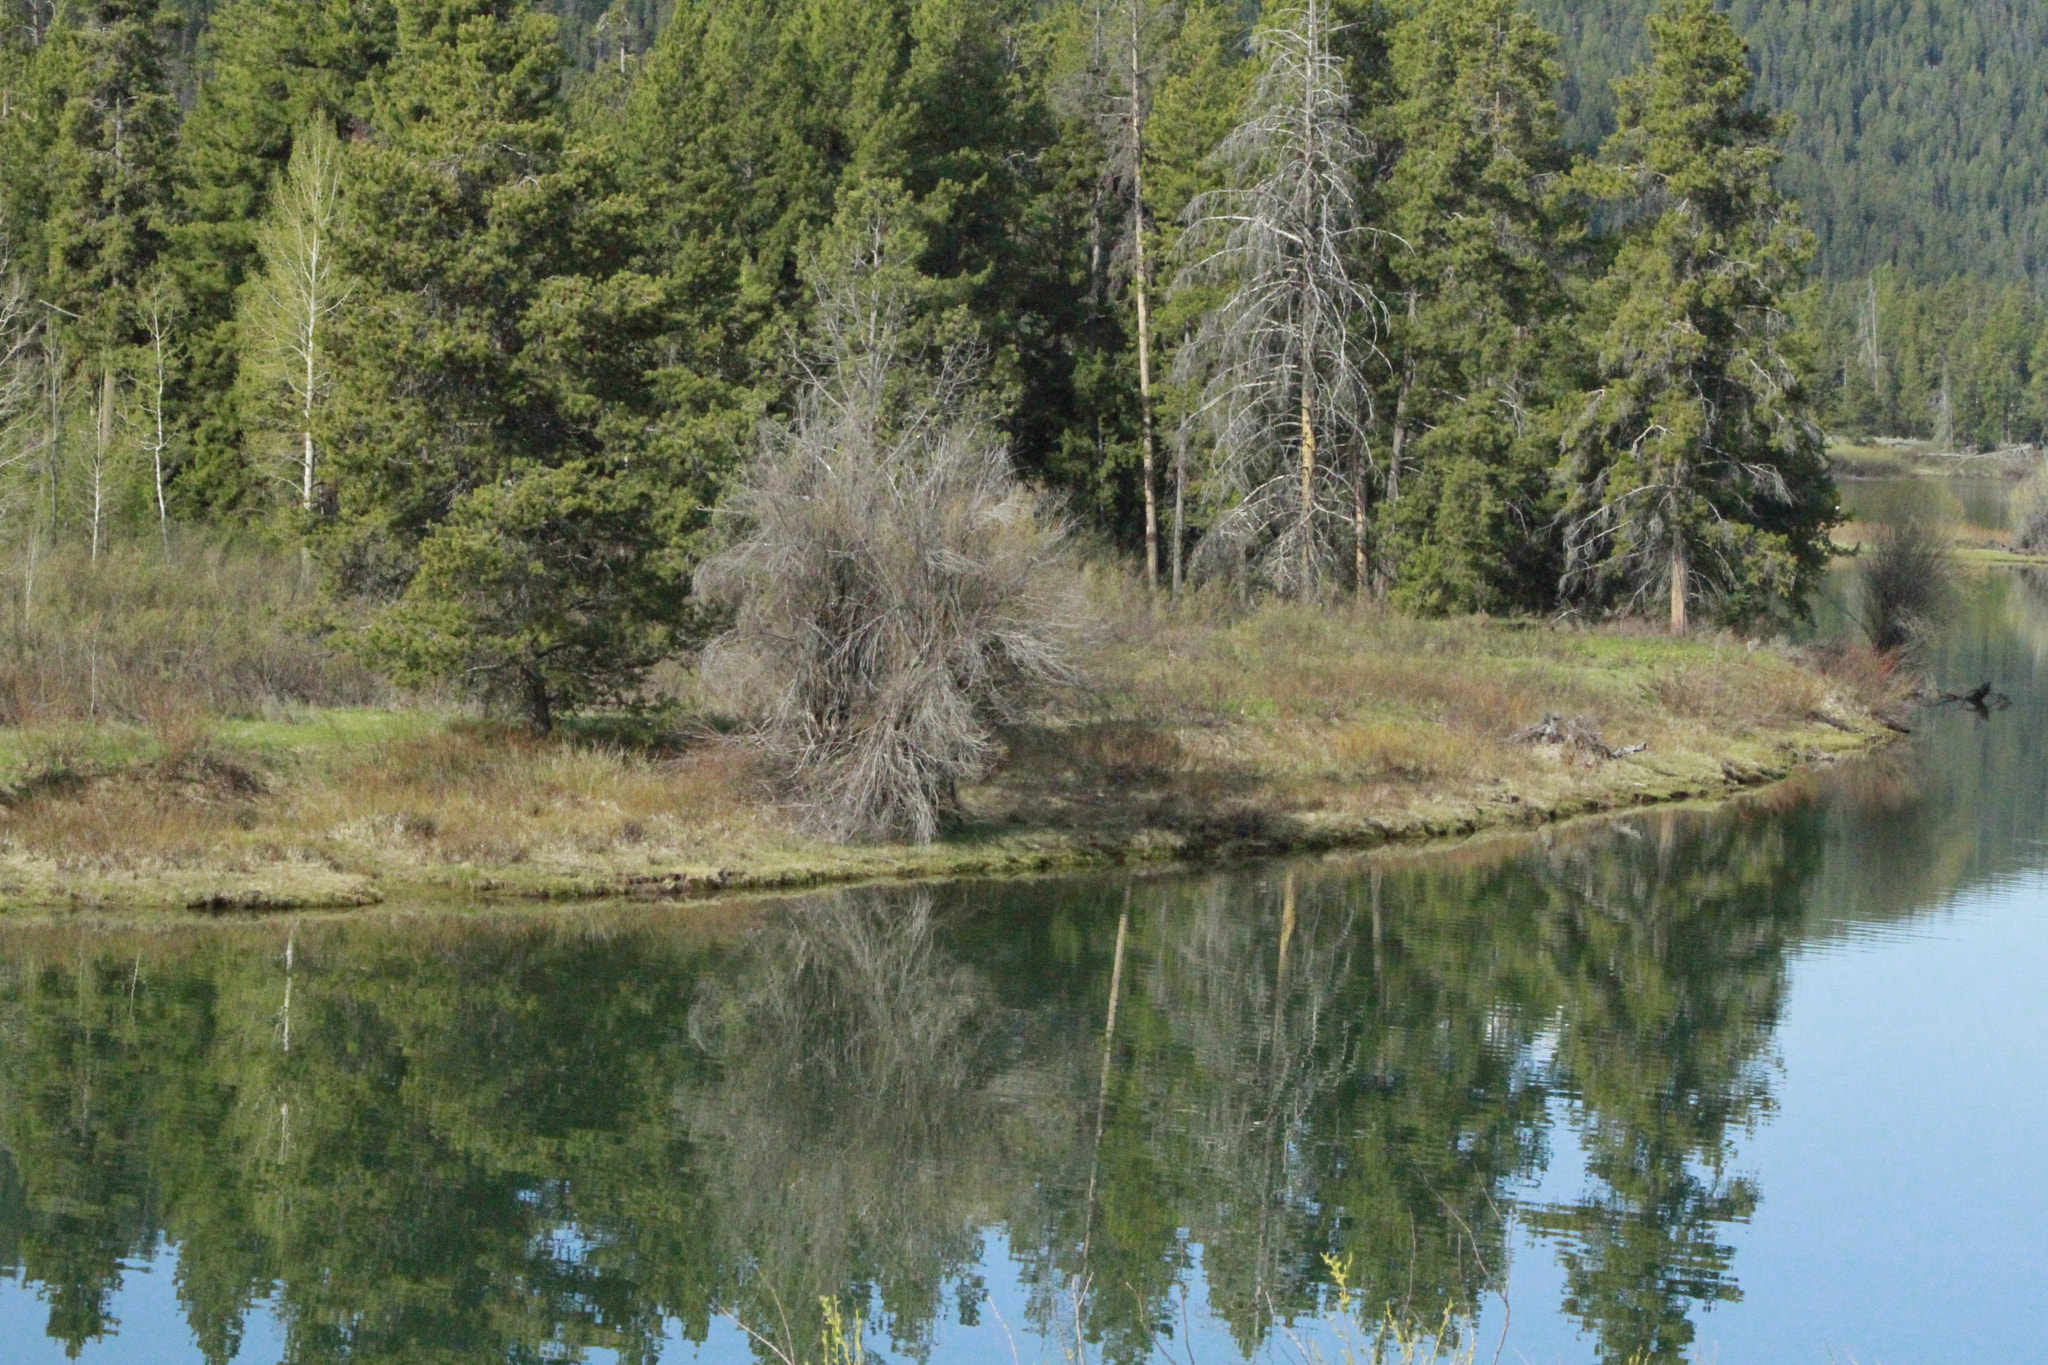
[(1695, 467)]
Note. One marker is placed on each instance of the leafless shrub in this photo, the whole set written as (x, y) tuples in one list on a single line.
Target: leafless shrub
[(218, 630), (1906, 574), (896, 591), (2029, 505)]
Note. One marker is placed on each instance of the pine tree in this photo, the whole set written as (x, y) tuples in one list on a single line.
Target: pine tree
[(1479, 320), (502, 467), (1696, 468), (105, 204), (109, 163)]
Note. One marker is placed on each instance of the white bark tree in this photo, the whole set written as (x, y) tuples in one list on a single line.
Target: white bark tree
[(22, 379), (299, 294), (1282, 360), (1130, 50), (157, 316)]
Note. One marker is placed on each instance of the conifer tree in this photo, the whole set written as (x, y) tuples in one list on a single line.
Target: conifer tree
[(1696, 468), (108, 162), (1478, 318), (502, 470), (105, 206)]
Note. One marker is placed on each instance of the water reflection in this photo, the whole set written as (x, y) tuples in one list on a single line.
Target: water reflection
[(533, 1137), (495, 1139)]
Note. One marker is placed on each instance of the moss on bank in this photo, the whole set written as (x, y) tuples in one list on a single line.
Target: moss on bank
[(1203, 737)]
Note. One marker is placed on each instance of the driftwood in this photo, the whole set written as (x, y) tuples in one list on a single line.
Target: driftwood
[(1575, 734), (1980, 699)]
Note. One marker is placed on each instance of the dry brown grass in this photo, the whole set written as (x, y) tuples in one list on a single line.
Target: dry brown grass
[(1205, 726), (140, 635)]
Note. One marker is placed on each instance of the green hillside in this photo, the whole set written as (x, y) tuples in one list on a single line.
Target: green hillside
[(1922, 134)]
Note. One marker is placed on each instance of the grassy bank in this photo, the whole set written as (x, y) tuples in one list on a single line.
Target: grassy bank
[(1204, 734)]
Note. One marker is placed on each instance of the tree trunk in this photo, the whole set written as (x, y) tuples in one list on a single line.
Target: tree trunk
[(1358, 568), (1145, 408), (54, 360), (1142, 284), (1400, 442), (1679, 570), (1308, 486), (103, 443), (540, 710), (1180, 505)]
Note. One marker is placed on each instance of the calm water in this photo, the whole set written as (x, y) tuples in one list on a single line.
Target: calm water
[(1754, 1085)]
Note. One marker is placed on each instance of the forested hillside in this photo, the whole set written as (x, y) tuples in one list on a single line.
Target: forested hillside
[(1921, 139)]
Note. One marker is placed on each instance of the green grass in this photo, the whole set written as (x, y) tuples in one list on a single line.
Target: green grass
[(1205, 732)]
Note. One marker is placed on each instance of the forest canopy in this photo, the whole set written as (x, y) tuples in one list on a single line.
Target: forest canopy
[(487, 308)]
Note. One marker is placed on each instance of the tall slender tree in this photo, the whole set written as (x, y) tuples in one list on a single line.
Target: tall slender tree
[(1132, 44), (1200, 97), (1696, 468), (291, 307), (1283, 358)]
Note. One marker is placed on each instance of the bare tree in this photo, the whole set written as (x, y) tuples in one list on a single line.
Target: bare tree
[(1282, 359), (157, 309), (1128, 58), (301, 290), (21, 378), (893, 585)]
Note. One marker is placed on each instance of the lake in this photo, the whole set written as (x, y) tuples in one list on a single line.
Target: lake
[(1761, 1083)]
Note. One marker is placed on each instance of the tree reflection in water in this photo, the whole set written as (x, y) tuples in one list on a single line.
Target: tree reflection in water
[(530, 1136)]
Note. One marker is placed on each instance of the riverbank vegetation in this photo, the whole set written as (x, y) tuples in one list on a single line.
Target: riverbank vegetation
[(633, 481), (1208, 729)]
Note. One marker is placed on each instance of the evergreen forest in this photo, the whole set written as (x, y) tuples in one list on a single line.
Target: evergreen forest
[(487, 312)]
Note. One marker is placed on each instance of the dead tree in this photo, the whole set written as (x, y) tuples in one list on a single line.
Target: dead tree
[(1128, 57), (894, 588), (1282, 359)]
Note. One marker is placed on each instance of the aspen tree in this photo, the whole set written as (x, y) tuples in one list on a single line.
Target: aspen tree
[(300, 293)]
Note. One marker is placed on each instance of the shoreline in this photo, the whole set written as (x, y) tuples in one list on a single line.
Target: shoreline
[(1228, 837)]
